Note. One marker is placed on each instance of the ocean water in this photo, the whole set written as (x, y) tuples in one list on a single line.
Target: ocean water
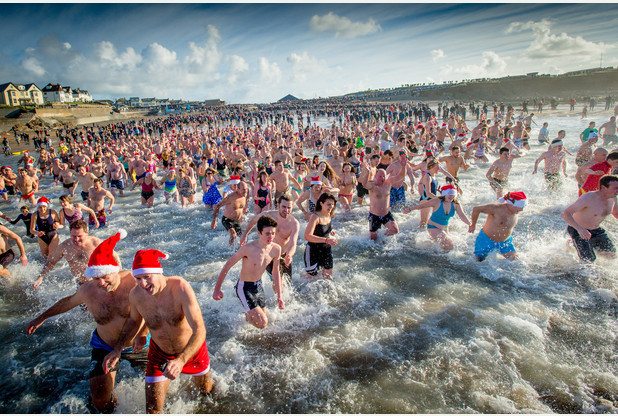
[(402, 327)]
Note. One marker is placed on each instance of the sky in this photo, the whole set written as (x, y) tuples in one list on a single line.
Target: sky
[(258, 53)]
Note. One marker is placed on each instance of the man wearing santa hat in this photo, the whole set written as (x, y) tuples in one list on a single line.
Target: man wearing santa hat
[(234, 208), (501, 219), (168, 306), (106, 297)]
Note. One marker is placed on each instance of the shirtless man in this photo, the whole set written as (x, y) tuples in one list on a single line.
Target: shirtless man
[(398, 188), (56, 168), (169, 308), (80, 160), (117, 176), (608, 132), (555, 161), (379, 185), (282, 178), (453, 163), (598, 156), (498, 173), (106, 297), (366, 170), (68, 179), (286, 236), (256, 256), (7, 255), (584, 153), (76, 250), (234, 205), (501, 219), (85, 179), (25, 185), (585, 216), (96, 201)]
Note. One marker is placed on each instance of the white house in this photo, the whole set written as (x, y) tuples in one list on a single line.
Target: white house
[(55, 93), (81, 95), (16, 94)]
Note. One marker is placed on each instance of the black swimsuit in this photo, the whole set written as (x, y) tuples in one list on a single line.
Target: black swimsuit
[(47, 226)]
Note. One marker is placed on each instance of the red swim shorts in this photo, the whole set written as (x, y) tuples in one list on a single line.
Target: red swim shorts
[(198, 365)]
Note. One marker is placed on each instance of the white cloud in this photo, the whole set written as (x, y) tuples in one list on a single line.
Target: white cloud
[(305, 66), (342, 26), (33, 65), (238, 66), (491, 65), (269, 72), (548, 45), (437, 54), (206, 58)]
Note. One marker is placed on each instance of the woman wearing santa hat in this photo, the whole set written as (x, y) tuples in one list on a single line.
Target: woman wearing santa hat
[(44, 223), (444, 208)]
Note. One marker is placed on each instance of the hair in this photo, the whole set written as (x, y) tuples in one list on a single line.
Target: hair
[(613, 156), (98, 180), (606, 180), (455, 148), (66, 198), (260, 175), (278, 162), (24, 207), (388, 153), (283, 197), (329, 172), (75, 225), (504, 150), (322, 199), (264, 222), (375, 156)]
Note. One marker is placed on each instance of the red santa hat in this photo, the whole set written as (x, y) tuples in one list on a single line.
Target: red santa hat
[(102, 261), (234, 180), (447, 190), (518, 199), (462, 135), (42, 202), (147, 262), (315, 180)]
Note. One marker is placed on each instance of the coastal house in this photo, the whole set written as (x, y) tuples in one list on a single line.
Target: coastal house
[(81, 96), (55, 93), (14, 95)]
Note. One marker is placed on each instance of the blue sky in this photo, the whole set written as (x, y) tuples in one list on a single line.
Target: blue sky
[(260, 52)]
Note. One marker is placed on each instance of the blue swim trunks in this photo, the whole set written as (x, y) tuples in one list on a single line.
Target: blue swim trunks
[(485, 245)]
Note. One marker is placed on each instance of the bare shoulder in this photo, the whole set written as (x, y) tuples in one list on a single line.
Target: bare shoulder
[(275, 250)]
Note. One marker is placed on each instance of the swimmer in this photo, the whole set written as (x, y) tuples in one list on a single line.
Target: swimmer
[(235, 206), (106, 298), (255, 256), (319, 237), (7, 255), (96, 201), (501, 219), (286, 236), (379, 186), (555, 160), (444, 208), (45, 222), (498, 172), (585, 216), (168, 307)]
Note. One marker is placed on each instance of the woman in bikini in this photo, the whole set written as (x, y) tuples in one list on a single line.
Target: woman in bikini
[(72, 212), (262, 193), (347, 184)]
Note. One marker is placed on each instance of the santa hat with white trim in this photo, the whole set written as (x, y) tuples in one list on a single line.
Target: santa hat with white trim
[(518, 199), (102, 261), (447, 190), (234, 180), (42, 202), (147, 262), (315, 180)]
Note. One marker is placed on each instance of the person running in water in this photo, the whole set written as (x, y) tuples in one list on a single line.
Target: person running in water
[(106, 298), (501, 219), (585, 216), (555, 160), (444, 208), (168, 307), (498, 172), (319, 237), (256, 256), (287, 233), (234, 205), (45, 222), (7, 255)]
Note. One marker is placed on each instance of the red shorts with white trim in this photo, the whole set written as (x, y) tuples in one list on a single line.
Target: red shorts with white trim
[(198, 365)]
